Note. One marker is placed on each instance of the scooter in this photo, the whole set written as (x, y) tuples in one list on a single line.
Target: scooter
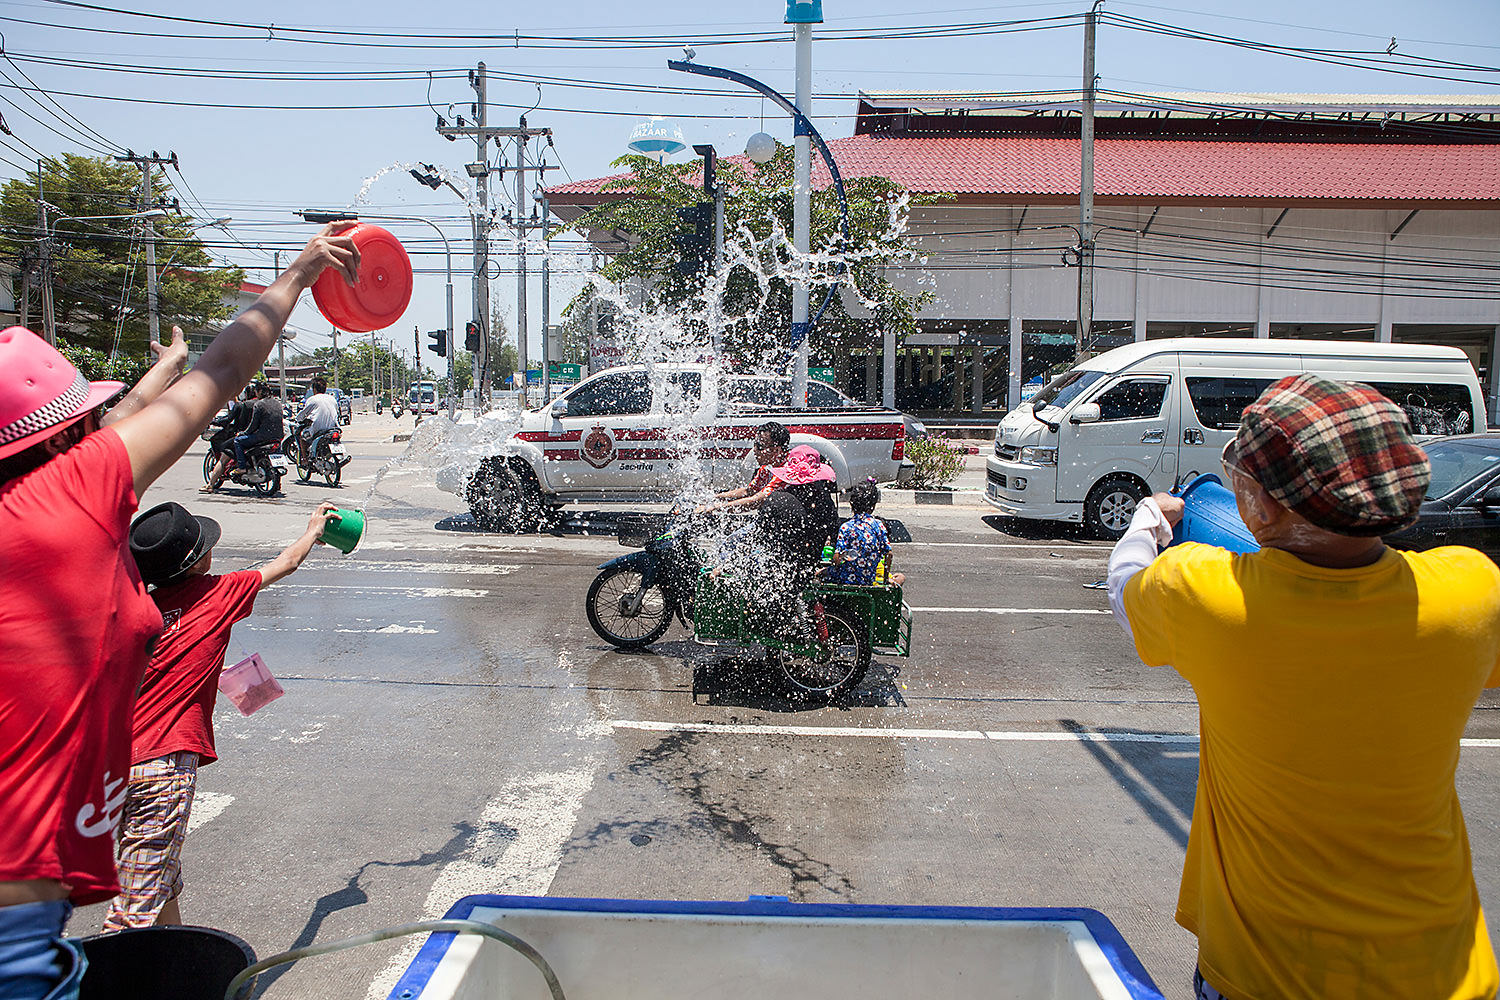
[(324, 455), (263, 473)]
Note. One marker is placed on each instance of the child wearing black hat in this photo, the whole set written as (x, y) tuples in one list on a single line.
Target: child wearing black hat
[(173, 727)]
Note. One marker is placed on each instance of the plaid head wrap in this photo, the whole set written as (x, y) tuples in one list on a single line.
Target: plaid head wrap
[(1338, 453)]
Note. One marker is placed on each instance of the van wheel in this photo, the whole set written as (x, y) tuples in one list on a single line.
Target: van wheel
[(1111, 505)]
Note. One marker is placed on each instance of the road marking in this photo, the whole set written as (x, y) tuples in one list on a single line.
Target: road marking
[(518, 843), (416, 628), (493, 569), (206, 807), (1087, 549), (404, 591), (1019, 611), (1045, 736)]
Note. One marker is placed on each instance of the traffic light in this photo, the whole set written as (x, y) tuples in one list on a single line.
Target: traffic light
[(439, 342), (695, 241), (471, 337)]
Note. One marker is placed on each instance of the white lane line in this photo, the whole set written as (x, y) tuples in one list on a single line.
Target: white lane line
[(404, 591), (1049, 736), (493, 569), (1019, 611), (392, 629), (518, 844), (206, 807), (1083, 549)]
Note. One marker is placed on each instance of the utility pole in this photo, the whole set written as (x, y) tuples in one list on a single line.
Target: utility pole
[(49, 320), (281, 336), (482, 133), (146, 163), (521, 265), (1086, 191), (416, 339), (546, 316), (336, 357)]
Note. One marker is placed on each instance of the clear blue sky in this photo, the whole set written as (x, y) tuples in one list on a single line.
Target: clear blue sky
[(258, 165)]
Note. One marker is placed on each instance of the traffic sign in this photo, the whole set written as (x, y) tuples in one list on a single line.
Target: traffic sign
[(821, 374)]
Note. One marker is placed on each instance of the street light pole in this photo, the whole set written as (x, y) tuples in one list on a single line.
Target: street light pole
[(802, 16), (1086, 191)]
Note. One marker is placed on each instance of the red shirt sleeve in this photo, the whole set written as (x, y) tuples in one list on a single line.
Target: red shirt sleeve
[(235, 594)]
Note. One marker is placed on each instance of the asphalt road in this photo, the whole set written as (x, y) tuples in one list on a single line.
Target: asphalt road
[(452, 725)]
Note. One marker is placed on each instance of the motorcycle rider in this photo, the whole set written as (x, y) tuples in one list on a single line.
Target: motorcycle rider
[(263, 426), (772, 442), (230, 425), (321, 412)]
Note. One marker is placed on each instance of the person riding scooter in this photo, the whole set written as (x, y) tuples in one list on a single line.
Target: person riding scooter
[(226, 427), (263, 428), (318, 416)]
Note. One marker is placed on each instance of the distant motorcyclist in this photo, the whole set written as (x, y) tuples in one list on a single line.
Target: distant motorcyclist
[(230, 425), (320, 412)]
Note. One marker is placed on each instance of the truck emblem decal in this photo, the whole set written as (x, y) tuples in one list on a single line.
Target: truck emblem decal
[(599, 447)]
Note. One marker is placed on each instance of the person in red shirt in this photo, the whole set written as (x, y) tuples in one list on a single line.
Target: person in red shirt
[(76, 622), (173, 729)]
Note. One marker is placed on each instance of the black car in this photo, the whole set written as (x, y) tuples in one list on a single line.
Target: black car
[(1463, 500)]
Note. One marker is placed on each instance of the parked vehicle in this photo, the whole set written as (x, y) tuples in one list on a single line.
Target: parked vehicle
[(772, 392), (820, 653), (1145, 416), (323, 456), (621, 434), (1463, 499)]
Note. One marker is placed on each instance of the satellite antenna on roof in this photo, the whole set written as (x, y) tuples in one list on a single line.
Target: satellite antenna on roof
[(659, 136)]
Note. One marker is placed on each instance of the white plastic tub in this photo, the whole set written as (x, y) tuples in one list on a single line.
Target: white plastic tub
[(766, 949)]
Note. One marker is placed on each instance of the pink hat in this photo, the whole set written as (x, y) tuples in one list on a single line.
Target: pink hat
[(40, 391), (804, 465)]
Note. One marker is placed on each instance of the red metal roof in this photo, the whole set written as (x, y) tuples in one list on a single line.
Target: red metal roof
[(1043, 169)]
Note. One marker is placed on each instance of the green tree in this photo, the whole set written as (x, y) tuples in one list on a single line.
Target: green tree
[(98, 265), (756, 299)]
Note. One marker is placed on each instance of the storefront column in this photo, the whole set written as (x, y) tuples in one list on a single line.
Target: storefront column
[(1493, 371), (872, 384), (976, 378), (1013, 393), (888, 369)]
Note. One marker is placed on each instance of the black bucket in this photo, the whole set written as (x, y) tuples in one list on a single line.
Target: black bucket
[(162, 963)]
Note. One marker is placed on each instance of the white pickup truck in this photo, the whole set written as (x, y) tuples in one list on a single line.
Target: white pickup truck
[(626, 434)]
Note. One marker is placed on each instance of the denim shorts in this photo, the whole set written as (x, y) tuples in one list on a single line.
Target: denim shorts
[(36, 961)]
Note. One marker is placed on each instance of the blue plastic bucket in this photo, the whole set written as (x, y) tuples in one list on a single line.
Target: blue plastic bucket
[(1211, 517)]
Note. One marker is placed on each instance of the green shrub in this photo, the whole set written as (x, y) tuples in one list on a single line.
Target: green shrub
[(938, 462)]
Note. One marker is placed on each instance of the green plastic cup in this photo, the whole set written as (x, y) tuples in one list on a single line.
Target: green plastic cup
[(345, 532)]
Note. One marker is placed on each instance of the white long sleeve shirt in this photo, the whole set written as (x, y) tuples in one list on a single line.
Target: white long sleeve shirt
[(1135, 550)]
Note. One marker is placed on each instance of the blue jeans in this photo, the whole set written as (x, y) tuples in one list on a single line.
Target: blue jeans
[(240, 443), (36, 961)]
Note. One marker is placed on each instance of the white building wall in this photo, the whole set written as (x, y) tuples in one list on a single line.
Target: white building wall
[(1205, 264)]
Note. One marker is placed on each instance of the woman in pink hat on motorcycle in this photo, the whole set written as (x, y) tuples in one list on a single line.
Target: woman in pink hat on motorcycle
[(76, 624)]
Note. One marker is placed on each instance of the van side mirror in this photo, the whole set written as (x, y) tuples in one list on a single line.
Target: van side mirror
[(1084, 413), (559, 407)]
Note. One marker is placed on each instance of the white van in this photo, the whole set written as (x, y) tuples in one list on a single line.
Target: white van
[(1145, 416)]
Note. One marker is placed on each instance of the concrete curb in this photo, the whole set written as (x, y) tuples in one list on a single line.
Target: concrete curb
[(958, 497)]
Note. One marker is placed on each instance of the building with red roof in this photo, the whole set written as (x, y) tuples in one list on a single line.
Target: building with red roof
[(1350, 217)]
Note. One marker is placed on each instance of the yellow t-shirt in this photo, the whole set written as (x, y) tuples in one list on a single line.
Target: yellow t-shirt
[(1328, 856)]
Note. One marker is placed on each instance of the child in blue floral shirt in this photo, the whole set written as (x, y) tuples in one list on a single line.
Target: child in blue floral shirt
[(861, 542)]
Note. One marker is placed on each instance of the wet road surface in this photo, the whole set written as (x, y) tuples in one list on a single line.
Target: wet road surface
[(452, 725)]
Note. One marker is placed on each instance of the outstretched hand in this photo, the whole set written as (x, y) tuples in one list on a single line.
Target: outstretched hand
[(328, 249), (1171, 507), (320, 519), (174, 354)]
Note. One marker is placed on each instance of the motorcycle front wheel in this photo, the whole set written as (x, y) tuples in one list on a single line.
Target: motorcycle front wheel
[(841, 665), (622, 614), (304, 468), (209, 461)]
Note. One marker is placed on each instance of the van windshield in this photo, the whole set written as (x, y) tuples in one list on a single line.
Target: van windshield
[(1065, 388)]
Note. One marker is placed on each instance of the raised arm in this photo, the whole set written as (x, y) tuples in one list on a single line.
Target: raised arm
[(161, 432), (168, 367), (285, 564)]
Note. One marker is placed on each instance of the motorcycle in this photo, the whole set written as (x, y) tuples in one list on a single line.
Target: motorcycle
[(324, 455), (395, 407), (822, 650), (266, 465)]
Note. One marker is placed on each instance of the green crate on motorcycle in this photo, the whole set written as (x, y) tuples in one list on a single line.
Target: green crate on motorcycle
[(722, 613)]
